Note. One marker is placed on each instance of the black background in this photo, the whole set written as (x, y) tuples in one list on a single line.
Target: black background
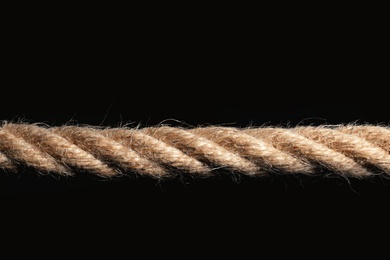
[(227, 75)]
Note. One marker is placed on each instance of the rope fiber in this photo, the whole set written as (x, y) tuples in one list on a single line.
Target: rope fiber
[(358, 151)]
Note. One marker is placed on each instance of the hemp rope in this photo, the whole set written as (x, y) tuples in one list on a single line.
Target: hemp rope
[(348, 150)]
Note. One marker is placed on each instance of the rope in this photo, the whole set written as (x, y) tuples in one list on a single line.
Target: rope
[(163, 151)]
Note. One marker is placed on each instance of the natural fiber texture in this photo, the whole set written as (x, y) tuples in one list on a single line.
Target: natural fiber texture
[(161, 152)]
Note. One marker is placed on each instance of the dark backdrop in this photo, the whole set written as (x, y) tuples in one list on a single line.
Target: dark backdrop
[(234, 79)]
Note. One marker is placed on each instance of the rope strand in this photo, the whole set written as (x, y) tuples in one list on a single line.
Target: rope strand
[(160, 152)]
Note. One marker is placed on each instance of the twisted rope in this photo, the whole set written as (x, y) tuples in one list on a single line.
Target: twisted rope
[(160, 152)]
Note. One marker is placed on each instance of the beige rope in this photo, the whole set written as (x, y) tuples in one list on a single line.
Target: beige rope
[(161, 152)]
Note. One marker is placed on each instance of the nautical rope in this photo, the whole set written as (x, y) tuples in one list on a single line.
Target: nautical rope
[(162, 151)]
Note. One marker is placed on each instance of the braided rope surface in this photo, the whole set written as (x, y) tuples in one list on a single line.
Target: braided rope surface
[(356, 151)]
